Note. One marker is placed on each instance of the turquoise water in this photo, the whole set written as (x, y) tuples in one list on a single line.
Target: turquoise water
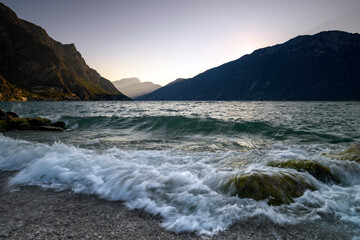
[(173, 158)]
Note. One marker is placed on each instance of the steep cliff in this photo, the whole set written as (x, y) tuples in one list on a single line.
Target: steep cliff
[(40, 68)]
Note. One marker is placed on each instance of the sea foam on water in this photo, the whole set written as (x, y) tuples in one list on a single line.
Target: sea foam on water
[(177, 159), (184, 188)]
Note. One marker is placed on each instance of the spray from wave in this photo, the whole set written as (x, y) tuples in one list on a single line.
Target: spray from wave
[(186, 189)]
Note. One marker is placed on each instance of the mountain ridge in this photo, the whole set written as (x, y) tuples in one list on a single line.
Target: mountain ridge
[(37, 67), (323, 66), (133, 87)]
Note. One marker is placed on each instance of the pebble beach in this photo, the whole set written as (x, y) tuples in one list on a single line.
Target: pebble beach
[(29, 212)]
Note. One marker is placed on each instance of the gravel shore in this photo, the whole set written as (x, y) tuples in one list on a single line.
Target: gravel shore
[(28, 212)]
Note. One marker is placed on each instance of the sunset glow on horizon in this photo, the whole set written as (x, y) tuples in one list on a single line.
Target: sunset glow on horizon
[(160, 41)]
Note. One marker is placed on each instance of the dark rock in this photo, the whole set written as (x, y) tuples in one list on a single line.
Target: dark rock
[(316, 169), (3, 115), (280, 188), (12, 114), (49, 128), (44, 69), (324, 66), (14, 123), (58, 124), (38, 121), (4, 126), (24, 126)]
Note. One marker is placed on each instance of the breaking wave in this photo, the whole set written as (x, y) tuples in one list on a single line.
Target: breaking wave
[(185, 189), (177, 126)]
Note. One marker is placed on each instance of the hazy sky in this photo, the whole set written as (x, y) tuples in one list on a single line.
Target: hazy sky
[(161, 40)]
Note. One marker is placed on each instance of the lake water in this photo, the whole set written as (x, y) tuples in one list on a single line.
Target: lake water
[(174, 158)]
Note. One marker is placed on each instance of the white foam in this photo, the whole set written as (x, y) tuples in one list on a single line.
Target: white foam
[(184, 188)]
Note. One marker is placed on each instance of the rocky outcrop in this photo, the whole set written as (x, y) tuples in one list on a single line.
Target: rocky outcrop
[(11, 121), (33, 66), (350, 154), (276, 188), (324, 66), (316, 169)]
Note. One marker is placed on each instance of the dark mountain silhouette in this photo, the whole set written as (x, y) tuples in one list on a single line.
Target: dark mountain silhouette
[(133, 87), (324, 66), (33, 66), (176, 81)]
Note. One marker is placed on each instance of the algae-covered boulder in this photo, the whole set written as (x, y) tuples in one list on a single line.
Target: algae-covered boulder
[(350, 154), (24, 126), (4, 126), (277, 188), (11, 121), (38, 121), (14, 123), (49, 128), (12, 114), (316, 169), (59, 124), (3, 115)]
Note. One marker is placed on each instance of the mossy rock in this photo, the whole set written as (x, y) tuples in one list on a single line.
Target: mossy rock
[(14, 123), (24, 126), (4, 126), (316, 169), (58, 124), (3, 115), (38, 121), (279, 188), (49, 128), (350, 154), (12, 114)]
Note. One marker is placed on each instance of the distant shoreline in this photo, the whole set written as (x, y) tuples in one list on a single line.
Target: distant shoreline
[(34, 213)]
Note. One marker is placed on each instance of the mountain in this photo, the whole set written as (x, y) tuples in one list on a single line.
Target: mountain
[(125, 82), (33, 66), (133, 87), (176, 81), (324, 66)]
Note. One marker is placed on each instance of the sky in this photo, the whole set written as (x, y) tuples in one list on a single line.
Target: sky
[(162, 40)]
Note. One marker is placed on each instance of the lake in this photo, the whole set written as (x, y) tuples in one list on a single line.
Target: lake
[(176, 159)]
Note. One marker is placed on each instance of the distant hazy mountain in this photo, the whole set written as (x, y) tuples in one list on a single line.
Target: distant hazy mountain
[(33, 66), (133, 87), (324, 66), (125, 82)]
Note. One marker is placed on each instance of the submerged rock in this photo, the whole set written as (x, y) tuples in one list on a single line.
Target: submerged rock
[(24, 126), (12, 114), (50, 128), (316, 169), (4, 126), (59, 124), (350, 154), (279, 188), (3, 115), (12, 121), (38, 121)]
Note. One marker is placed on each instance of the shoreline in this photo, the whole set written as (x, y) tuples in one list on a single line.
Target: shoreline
[(29, 212)]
